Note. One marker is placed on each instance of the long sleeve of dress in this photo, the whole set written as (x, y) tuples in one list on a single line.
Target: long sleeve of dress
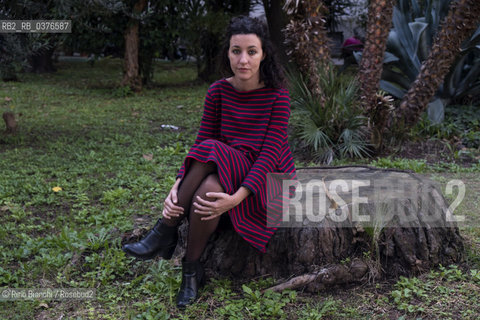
[(271, 150), (209, 126)]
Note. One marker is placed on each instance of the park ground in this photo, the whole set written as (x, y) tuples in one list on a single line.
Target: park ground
[(92, 161)]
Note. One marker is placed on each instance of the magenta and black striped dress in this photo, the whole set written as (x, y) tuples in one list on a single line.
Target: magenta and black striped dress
[(245, 134)]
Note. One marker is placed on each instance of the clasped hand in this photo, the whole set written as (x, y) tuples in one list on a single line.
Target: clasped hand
[(210, 209)]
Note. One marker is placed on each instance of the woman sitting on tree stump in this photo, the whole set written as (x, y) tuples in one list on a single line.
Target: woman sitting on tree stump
[(242, 138)]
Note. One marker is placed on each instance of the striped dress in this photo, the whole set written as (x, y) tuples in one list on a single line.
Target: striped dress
[(245, 134)]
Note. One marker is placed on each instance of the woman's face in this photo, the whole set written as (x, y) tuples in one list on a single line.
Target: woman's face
[(245, 54)]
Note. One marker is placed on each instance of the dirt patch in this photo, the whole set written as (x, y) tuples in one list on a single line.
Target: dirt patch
[(434, 151)]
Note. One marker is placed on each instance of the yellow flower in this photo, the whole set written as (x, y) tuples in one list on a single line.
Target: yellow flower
[(56, 189)]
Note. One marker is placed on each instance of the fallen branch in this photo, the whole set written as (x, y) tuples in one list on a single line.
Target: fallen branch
[(296, 282), (331, 275)]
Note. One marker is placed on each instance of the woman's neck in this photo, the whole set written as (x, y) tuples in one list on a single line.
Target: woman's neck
[(240, 85)]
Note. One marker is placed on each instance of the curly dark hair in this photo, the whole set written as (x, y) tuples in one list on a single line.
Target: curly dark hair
[(271, 72)]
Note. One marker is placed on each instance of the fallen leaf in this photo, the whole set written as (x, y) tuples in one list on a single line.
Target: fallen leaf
[(56, 189), (148, 157)]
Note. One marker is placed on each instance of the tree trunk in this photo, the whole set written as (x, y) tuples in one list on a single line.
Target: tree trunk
[(131, 75), (370, 70), (307, 41), (210, 53), (327, 253), (459, 24), (277, 20), (10, 122), (145, 65), (42, 62)]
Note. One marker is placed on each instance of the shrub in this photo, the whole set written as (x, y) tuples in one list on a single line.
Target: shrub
[(335, 128)]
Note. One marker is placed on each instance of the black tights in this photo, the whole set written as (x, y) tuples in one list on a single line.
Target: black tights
[(200, 179)]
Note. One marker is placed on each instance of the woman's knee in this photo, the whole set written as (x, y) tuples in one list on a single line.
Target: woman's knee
[(211, 183), (208, 166)]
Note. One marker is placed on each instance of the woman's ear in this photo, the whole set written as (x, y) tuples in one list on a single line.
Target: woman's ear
[(264, 55)]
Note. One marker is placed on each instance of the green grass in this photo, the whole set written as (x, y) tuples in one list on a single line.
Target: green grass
[(114, 162)]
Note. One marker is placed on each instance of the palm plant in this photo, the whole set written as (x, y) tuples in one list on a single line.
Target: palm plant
[(461, 21), (332, 128), (307, 42)]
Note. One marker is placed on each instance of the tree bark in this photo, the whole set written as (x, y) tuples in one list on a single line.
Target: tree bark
[(326, 253), (146, 65), (379, 23), (131, 75), (210, 53), (276, 20), (10, 122), (307, 41), (461, 21), (378, 27)]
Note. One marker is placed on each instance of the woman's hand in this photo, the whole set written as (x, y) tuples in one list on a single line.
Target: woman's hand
[(170, 209), (212, 209)]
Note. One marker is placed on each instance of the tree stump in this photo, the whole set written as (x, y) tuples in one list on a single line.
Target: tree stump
[(416, 236), (10, 122)]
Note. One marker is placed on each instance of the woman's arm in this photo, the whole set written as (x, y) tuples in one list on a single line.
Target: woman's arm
[(240, 195), (274, 140), (222, 203)]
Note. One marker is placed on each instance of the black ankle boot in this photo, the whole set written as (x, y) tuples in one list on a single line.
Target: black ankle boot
[(192, 279), (161, 240)]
